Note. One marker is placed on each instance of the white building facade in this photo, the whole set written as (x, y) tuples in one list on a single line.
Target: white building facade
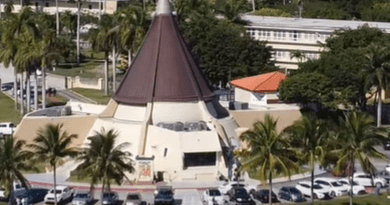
[(287, 35)]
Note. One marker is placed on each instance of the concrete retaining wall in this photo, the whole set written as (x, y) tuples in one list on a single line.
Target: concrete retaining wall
[(78, 82)]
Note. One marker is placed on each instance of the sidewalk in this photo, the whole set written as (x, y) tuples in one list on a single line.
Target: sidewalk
[(63, 173)]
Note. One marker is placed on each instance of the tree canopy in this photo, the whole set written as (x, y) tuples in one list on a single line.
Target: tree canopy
[(343, 63), (225, 50)]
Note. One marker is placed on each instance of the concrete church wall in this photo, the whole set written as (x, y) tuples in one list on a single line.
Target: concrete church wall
[(246, 118), (173, 112)]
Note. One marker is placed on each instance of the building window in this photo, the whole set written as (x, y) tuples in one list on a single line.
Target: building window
[(90, 6), (101, 6), (47, 4), (36, 4), (165, 152), (200, 159), (295, 35)]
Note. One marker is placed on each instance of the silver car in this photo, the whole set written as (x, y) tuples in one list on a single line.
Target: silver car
[(82, 198)]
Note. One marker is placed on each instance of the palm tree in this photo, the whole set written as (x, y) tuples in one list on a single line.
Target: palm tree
[(16, 25), (357, 137), (309, 136), (103, 161), (102, 39), (378, 73), (52, 145), (68, 20), (133, 27), (8, 7), (14, 159), (267, 152)]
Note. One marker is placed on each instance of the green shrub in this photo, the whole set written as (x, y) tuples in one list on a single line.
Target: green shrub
[(271, 12)]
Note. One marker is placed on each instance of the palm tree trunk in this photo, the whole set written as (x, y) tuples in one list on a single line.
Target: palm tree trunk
[(43, 88), (270, 187), (129, 58), (55, 184), (102, 192), (113, 70), (36, 91), (57, 19), (106, 74), (351, 183), (312, 188), (100, 9), (28, 92), (16, 89), (253, 5), (379, 110), (105, 4), (21, 95), (11, 194), (78, 31)]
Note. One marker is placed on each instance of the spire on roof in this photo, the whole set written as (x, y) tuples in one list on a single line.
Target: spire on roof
[(163, 7)]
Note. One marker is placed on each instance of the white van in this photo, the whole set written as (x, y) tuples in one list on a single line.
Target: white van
[(7, 128)]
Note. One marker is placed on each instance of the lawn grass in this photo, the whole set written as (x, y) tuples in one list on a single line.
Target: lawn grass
[(91, 54), (84, 69), (7, 110), (357, 200), (40, 166), (96, 95)]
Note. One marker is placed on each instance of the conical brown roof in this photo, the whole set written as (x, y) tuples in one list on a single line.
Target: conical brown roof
[(164, 69)]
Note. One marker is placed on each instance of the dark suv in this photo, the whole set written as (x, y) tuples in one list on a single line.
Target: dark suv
[(240, 196), (163, 195)]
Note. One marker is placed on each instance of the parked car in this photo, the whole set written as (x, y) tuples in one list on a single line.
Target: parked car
[(30, 196), (290, 193), (386, 145), (82, 198), (164, 195), (319, 191), (387, 168), (110, 198), (7, 128), (133, 199), (263, 196), (17, 187), (227, 186), (335, 188), (367, 180), (240, 196), (357, 189), (383, 174), (63, 193), (213, 196)]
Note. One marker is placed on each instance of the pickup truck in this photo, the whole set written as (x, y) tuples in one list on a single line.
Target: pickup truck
[(7, 128), (17, 187), (63, 193)]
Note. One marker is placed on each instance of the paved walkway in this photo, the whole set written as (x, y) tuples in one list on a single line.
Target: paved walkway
[(63, 173)]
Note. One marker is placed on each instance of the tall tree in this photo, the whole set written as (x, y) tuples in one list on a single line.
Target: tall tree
[(69, 22), (16, 24), (267, 153), (14, 159), (52, 145), (378, 73), (102, 40), (134, 23), (358, 137), (309, 137), (103, 161)]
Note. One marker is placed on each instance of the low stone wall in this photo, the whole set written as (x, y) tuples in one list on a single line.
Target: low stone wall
[(78, 82)]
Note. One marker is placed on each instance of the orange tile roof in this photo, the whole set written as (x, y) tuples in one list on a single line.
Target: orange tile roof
[(264, 83)]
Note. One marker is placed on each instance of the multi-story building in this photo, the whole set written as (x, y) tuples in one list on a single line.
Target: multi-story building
[(287, 35), (88, 6)]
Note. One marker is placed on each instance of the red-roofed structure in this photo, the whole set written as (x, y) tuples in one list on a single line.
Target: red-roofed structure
[(264, 83)]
